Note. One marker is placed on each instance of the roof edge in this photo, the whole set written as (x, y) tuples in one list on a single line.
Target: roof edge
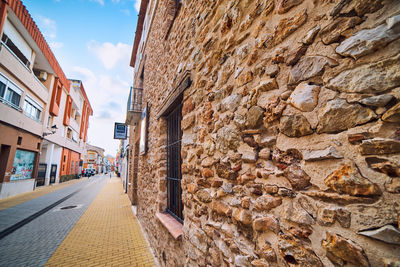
[(23, 15), (139, 29)]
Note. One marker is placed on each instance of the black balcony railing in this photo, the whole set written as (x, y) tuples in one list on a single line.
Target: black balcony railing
[(135, 106), (135, 100)]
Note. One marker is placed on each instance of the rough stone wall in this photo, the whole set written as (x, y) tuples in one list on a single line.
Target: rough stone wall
[(290, 147)]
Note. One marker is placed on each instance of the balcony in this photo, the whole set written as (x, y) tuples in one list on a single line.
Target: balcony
[(15, 66), (74, 124), (135, 107), (56, 98), (54, 109)]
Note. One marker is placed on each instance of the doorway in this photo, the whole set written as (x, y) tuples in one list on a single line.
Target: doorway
[(135, 173), (41, 174), (53, 173), (4, 154)]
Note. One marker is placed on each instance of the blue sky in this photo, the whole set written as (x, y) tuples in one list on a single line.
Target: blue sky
[(92, 41)]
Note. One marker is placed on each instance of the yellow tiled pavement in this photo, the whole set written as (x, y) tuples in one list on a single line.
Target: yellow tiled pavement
[(38, 192), (107, 234)]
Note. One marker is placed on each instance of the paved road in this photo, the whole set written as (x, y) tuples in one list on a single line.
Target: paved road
[(35, 242), (107, 234)]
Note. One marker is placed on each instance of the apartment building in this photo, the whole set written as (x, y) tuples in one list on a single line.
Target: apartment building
[(28, 73), (66, 133), (94, 158), (44, 117)]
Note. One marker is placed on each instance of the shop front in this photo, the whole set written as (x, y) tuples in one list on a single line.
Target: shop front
[(19, 160)]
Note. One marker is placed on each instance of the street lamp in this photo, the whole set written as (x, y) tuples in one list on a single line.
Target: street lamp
[(54, 128)]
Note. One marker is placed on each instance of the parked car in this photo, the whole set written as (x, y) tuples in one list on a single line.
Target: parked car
[(92, 172), (89, 172)]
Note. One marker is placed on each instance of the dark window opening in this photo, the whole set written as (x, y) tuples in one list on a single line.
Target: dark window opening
[(58, 94), (142, 77), (7, 41), (2, 89), (65, 157), (19, 141), (38, 145), (13, 97), (40, 180), (135, 173), (174, 174), (4, 157)]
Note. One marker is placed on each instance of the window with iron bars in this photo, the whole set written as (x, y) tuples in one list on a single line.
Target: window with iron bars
[(174, 174)]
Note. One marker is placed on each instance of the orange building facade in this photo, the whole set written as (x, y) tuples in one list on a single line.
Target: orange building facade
[(69, 162)]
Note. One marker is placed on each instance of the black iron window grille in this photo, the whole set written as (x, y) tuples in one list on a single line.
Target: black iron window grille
[(174, 174)]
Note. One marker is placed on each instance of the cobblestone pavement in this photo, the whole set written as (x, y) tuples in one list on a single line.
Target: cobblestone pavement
[(101, 230), (10, 216), (108, 234), (38, 192), (35, 242)]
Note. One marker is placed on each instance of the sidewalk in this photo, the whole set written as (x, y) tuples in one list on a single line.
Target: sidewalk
[(107, 234), (38, 192)]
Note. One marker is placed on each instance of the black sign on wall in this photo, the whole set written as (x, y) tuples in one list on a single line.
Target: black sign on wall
[(120, 131)]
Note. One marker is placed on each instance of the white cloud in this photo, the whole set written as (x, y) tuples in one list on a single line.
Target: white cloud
[(137, 5), (111, 55), (108, 96), (48, 27), (56, 45), (101, 2), (126, 11), (85, 75)]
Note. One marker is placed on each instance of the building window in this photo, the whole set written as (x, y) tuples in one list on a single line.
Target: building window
[(15, 50), (50, 122), (69, 133), (174, 174), (2, 89), (32, 109), (74, 136), (10, 94), (171, 12)]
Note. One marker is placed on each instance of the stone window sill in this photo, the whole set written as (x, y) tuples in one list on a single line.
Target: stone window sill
[(173, 226)]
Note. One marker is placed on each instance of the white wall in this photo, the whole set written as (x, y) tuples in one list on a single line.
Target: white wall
[(57, 160), (13, 188)]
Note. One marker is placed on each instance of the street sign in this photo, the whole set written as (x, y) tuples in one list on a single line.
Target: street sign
[(120, 131)]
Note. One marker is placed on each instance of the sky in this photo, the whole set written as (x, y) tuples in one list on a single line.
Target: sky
[(92, 41)]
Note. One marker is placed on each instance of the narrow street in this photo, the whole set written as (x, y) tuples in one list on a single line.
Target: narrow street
[(73, 225), (229, 133)]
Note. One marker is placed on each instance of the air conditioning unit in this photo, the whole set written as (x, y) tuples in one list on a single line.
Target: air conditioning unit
[(43, 76)]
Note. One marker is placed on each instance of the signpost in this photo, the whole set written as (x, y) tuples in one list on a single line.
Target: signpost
[(120, 131)]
